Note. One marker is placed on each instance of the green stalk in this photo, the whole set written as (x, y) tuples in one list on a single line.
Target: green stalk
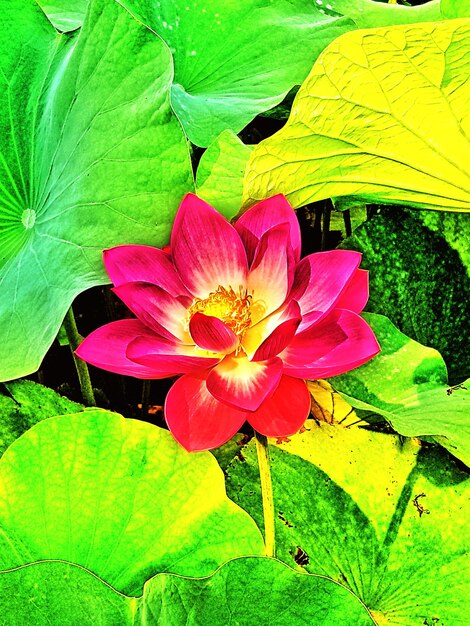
[(266, 493), (326, 226), (146, 386), (82, 368)]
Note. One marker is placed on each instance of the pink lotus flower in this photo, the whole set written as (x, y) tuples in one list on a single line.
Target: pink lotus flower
[(238, 316)]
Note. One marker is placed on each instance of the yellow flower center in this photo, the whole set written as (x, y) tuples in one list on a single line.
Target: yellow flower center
[(230, 307)]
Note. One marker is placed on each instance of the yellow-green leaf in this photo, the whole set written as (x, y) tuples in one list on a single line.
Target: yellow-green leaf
[(382, 116), (256, 590), (118, 497), (385, 517), (219, 179)]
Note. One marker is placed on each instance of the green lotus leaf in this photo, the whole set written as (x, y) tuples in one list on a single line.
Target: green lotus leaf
[(236, 59), (370, 13), (55, 592), (118, 497), (385, 517), (281, 111), (24, 404), (407, 384), (257, 590), (65, 15), (455, 8), (454, 228), (383, 117), (229, 450), (219, 177), (91, 156), (419, 272)]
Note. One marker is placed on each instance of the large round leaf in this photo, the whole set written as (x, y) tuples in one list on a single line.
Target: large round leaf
[(382, 116), (58, 593), (24, 404), (372, 13), (65, 15), (118, 497), (384, 517), (455, 8), (407, 384), (419, 275), (219, 178), (250, 591), (236, 59), (91, 156)]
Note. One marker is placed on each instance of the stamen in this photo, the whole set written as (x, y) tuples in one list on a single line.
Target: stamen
[(230, 307)]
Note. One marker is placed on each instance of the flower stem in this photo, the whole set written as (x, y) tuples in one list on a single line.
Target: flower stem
[(266, 492), (81, 367)]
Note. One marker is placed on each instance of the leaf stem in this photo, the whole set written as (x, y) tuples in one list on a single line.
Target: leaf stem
[(326, 226), (266, 492), (347, 222), (82, 368), (146, 387)]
